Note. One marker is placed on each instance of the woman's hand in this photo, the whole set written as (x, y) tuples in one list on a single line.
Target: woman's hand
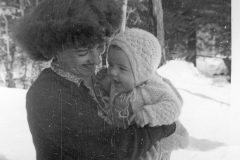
[(119, 122)]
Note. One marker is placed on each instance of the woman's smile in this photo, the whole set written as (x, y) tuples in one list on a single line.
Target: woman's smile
[(89, 66)]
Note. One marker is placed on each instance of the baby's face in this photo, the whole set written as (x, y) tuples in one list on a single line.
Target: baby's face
[(120, 71)]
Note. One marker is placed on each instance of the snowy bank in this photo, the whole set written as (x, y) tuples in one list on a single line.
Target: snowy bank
[(15, 138), (205, 114)]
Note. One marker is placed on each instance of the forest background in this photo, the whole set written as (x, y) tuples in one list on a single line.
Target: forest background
[(187, 29)]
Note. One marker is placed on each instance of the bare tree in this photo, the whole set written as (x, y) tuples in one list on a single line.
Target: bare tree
[(159, 25), (124, 8), (9, 56)]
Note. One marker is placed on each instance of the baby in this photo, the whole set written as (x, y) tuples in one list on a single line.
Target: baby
[(137, 93)]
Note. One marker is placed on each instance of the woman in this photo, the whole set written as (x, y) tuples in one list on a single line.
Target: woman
[(66, 114)]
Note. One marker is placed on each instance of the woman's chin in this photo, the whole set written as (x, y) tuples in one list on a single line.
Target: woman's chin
[(84, 73), (88, 71)]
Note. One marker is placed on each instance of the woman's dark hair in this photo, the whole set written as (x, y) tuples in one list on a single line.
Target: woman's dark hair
[(55, 24)]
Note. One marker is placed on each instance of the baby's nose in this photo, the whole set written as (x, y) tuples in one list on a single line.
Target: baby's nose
[(113, 72)]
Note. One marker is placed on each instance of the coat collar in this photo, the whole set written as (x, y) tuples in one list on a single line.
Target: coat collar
[(69, 76)]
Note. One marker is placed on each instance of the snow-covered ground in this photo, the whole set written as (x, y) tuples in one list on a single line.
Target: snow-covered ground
[(206, 114), (15, 137)]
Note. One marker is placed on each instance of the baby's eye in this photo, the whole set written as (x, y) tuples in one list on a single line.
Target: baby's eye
[(123, 69)]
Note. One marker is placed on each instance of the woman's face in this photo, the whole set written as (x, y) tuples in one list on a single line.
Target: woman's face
[(82, 61)]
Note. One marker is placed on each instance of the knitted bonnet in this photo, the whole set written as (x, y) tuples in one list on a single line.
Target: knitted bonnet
[(143, 51)]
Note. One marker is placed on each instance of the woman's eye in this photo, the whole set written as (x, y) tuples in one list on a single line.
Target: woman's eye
[(80, 49), (81, 52)]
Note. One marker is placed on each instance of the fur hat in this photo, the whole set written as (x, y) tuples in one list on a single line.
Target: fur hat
[(143, 51), (57, 24)]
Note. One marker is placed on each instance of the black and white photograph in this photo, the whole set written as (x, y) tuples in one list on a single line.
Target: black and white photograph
[(74, 75)]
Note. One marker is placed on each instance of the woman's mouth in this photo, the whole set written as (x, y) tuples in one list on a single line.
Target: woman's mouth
[(88, 66)]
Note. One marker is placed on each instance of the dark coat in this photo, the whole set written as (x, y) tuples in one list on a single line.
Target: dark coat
[(64, 123)]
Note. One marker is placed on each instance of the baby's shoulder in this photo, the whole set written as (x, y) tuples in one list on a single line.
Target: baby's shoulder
[(156, 88), (157, 82)]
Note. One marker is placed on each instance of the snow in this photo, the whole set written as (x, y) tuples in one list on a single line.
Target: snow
[(210, 66), (15, 137), (206, 114)]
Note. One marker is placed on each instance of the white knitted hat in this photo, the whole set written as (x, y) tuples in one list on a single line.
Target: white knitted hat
[(143, 51)]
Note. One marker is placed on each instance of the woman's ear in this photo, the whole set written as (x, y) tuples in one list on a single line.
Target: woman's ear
[(61, 59)]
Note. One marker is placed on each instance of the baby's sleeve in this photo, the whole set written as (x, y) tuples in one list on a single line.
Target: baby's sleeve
[(166, 109)]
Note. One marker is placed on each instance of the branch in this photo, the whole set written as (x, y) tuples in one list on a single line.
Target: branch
[(3, 49), (129, 12), (6, 30), (212, 56), (3, 56), (124, 8), (7, 7)]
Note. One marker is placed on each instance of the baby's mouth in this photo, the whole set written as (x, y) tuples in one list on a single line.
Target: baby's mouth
[(116, 82)]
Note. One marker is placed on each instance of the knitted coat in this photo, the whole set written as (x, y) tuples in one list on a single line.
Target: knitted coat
[(157, 100), (160, 104), (66, 121)]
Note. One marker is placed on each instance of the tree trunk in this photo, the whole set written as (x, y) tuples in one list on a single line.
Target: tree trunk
[(9, 70), (192, 41), (9, 58), (228, 62), (158, 14), (124, 8)]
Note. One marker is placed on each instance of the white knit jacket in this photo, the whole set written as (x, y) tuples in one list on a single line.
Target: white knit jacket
[(157, 101), (160, 104)]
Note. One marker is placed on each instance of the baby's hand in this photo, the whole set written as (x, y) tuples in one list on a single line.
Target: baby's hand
[(139, 119)]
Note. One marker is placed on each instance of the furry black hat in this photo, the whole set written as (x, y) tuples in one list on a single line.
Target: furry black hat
[(55, 24)]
